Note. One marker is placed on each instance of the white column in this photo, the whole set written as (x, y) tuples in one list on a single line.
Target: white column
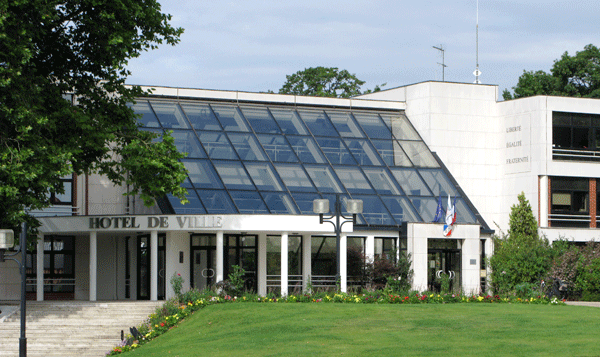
[(219, 256), (93, 265), (154, 265), (40, 268), (543, 194), (262, 264), (370, 247), (284, 263), (343, 263), (306, 261)]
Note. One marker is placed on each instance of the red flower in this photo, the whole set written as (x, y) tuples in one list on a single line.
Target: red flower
[(162, 324)]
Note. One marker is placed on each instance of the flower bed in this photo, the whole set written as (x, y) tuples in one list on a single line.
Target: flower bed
[(174, 311)]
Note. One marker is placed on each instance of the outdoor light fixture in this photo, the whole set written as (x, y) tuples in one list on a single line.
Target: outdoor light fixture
[(7, 241), (337, 219)]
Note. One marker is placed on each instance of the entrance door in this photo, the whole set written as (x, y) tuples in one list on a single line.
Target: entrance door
[(242, 251), (143, 267), (444, 264), (203, 261)]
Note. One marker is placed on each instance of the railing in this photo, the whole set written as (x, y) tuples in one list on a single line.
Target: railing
[(53, 284), (274, 281), (323, 281), (56, 211), (569, 220), (575, 154)]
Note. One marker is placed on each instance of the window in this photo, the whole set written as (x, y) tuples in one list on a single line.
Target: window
[(570, 202), (575, 136), (65, 198)]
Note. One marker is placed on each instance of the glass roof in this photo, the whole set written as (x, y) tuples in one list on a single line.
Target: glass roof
[(261, 159)]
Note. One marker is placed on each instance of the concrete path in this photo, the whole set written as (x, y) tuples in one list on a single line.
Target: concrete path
[(584, 303)]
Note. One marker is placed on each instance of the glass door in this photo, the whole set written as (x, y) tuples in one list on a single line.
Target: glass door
[(444, 265), (203, 261), (241, 250)]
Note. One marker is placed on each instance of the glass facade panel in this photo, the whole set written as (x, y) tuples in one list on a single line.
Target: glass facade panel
[(318, 123), (148, 119), (410, 182), (363, 152), (345, 124), (260, 120), (294, 178), (264, 177), (248, 202), (335, 151), (201, 116), (353, 179), (401, 127), (277, 148), (201, 174), (401, 209), (230, 118), (247, 146), (381, 181), (279, 203), (373, 126), (463, 213), (289, 121), (418, 153), (304, 201), (374, 211), (306, 149), (438, 182), (425, 206), (323, 179), (193, 207), (170, 115), (216, 202), (233, 175), (186, 142), (217, 145), (400, 157)]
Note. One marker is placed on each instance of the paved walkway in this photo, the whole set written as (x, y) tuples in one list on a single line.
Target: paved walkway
[(584, 303)]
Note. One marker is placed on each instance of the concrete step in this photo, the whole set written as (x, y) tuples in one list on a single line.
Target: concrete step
[(72, 328)]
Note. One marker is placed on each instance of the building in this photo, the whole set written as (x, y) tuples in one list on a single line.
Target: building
[(258, 161)]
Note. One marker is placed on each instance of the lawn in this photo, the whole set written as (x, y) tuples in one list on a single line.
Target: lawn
[(309, 329)]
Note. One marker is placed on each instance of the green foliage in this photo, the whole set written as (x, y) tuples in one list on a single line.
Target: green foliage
[(324, 82), (177, 284), (521, 256), (51, 50), (573, 76)]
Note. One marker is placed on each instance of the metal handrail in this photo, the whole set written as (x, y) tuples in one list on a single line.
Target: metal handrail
[(570, 217), (575, 153)]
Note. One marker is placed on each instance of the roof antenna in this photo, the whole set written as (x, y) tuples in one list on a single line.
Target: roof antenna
[(477, 72), (441, 49)]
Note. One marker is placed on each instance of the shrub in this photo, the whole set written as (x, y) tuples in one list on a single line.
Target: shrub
[(177, 284)]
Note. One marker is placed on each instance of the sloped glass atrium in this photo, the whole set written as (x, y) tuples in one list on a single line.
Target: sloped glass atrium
[(276, 159)]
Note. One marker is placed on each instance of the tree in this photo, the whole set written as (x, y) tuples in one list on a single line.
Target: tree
[(521, 256), (324, 82), (63, 101), (573, 76)]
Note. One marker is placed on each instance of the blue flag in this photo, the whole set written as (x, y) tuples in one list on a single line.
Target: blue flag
[(439, 211)]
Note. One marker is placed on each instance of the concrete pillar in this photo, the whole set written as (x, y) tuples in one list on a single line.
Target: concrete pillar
[(306, 262), (93, 265), (262, 264), (220, 246), (154, 265), (370, 247), (343, 262), (284, 263), (40, 268), (543, 197)]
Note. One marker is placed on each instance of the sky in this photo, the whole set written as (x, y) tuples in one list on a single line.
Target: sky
[(252, 45)]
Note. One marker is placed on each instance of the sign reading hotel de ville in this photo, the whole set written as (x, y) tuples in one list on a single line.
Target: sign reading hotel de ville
[(154, 222), (517, 140)]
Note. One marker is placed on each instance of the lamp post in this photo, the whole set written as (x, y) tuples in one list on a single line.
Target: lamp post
[(337, 219), (7, 241)]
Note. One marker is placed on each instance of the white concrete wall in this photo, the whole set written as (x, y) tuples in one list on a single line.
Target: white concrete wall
[(177, 242)]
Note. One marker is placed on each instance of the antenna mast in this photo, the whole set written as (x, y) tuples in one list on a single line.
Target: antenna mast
[(441, 49), (477, 72)]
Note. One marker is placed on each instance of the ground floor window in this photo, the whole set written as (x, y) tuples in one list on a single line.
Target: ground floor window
[(59, 268), (241, 250), (569, 201), (323, 261), (294, 264)]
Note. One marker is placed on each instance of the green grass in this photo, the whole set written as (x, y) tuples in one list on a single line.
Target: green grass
[(309, 329)]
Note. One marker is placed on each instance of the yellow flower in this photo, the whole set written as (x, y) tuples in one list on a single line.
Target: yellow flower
[(480, 298), (134, 345), (431, 295)]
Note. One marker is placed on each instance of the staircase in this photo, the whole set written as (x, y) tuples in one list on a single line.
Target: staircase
[(72, 328)]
